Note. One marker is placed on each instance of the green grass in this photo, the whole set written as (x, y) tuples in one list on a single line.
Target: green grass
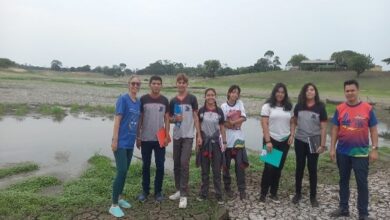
[(17, 169)]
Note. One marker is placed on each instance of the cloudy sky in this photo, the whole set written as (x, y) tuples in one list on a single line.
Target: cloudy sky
[(236, 32)]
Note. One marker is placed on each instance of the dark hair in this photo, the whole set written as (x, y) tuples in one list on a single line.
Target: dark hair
[(286, 103), (205, 92), (155, 78), (351, 82), (302, 94), (232, 88)]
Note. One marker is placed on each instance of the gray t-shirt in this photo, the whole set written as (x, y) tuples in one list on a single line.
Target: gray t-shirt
[(185, 107), (210, 120), (309, 120), (153, 110)]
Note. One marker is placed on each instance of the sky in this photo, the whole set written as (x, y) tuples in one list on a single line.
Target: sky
[(236, 32)]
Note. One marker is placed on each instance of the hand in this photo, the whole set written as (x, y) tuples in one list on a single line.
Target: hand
[(290, 140), (321, 149), (114, 145), (138, 143), (199, 141), (373, 156), (166, 141), (269, 147), (332, 154), (223, 147)]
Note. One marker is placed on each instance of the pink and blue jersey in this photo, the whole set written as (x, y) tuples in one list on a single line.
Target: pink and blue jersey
[(354, 123)]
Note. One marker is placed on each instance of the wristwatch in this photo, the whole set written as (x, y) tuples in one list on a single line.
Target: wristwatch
[(374, 147)]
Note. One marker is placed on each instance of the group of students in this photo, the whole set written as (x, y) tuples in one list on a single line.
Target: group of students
[(219, 139)]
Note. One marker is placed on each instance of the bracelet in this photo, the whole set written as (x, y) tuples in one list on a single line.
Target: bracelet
[(224, 142)]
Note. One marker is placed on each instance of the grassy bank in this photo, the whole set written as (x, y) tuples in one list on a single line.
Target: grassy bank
[(17, 169), (92, 191)]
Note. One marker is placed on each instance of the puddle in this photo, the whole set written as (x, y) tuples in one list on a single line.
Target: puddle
[(62, 148)]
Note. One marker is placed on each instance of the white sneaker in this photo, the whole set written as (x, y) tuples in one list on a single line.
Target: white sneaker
[(175, 196), (183, 203)]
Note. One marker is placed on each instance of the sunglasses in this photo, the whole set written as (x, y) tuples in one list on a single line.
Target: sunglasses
[(136, 84)]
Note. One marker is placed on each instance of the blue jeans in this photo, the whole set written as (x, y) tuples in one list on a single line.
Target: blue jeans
[(359, 165), (147, 147), (122, 159)]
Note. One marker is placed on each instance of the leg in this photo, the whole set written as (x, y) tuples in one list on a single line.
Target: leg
[(266, 179), (121, 171), (312, 162), (227, 180), (345, 166), (300, 160), (284, 147), (159, 156), (176, 162), (360, 168), (205, 170), (146, 151), (216, 167), (240, 177), (129, 155), (185, 165)]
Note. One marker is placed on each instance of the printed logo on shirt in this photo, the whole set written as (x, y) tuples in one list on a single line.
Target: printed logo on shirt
[(187, 108), (161, 109)]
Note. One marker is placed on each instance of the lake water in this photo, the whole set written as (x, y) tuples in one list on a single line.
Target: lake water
[(63, 148)]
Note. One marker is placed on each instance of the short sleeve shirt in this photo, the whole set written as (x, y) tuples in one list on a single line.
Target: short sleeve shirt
[(210, 120), (278, 121), (235, 137), (309, 120), (354, 123), (130, 112), (153, 110), (187, 106)]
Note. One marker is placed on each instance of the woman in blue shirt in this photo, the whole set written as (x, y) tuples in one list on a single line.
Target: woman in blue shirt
[(127, 113)]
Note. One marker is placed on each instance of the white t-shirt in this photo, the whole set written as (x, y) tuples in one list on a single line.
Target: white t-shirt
[(234, 137), (279, 121)]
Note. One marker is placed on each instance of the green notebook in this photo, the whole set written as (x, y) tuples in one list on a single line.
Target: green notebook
[(272, 158)]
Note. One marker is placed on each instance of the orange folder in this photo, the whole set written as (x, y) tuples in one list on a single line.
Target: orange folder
[(161, 134)]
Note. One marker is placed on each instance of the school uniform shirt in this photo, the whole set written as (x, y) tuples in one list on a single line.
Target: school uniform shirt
[(309, 120), (185, 129), (210, 120), (153, 110), (234, 137), (278, 121)]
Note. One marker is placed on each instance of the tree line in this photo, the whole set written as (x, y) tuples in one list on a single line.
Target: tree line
[(344, 60)]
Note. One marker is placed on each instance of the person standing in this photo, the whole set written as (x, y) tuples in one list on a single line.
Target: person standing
[(127, 114), (278, 133), (311, 119), (154, 116), (353, 121), (234, 113), (184, 113), (211, 151)]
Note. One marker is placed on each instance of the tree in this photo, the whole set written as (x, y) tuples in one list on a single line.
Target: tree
[(262, 65), (211, 67), (276, 63), (296, 59), (343, 58), (360, 63), (387, 61), (269, 54), (5, 63), (56, 65), (122, 66)]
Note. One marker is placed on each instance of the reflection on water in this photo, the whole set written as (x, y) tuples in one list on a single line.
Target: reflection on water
[(62, 148)]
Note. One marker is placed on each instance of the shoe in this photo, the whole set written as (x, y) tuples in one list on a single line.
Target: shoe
[(124, 204), (159, 197), (220, 201), (296, 198), (339, 213), (262, 198), (364, 217), (142, 197), (200, 198), (116, 211), (274, 197), (242, 195), (229, 194), (175, 196), (314, 202), (183, 203)]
